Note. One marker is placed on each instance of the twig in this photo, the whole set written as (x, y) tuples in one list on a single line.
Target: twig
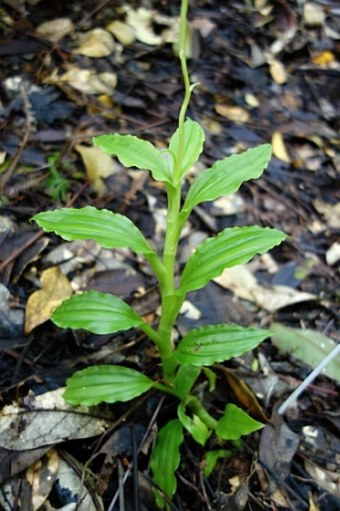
[(308, 380), (27, 131)]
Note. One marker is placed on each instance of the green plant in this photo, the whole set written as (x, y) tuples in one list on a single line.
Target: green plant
[(102, 313), (57, 185)]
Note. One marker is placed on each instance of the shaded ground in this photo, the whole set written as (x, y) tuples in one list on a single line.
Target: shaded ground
[(265, 75)]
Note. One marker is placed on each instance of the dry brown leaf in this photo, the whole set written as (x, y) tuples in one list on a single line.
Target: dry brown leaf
[(244, 395), (97, 43), (55, 289), (55, 30), (98, 166), (233, 113), (279, 147)]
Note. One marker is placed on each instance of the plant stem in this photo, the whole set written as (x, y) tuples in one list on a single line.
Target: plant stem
[(196, 406), (187, 88), (171, 303)]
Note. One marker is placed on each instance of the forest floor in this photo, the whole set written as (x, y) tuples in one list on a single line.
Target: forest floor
[(268, 72)]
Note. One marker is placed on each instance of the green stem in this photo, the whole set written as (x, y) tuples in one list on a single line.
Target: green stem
[(187, 87), (196, 407), (171, 303)]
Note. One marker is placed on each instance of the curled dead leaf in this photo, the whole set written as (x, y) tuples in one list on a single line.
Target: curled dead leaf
[(98, 165), (97, 43), (55, 289)]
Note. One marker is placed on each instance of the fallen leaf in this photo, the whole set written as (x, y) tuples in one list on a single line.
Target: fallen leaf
[(46, 420), (331, 212), (243, 284), (244, 395), (333, 253), (279, 147), (11, 318), (309, 346), (40, 305), (326, 479), (122, 32), (313, 14), (85, 80), (278, 445), (96, 43), (51, 478), (140, 20), (278, 72), (56, 29), (233, 113), (98, 166), (324, 59)]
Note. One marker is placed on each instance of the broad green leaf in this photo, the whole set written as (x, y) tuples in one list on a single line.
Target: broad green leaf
[(105, 384), (109, 230), (211, 458), (185, 379), (309, 346), (196, 427), (232, 246), (165, 459), (132, 151), (227, 175), (193, 136), (235, 422), (99, 313), (217, 343)]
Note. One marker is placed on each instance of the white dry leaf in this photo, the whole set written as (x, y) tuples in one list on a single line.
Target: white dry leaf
[(96, 43), (313, 15), (278, 72), (140, 20), (331, 212), (56, 29), (333, 253), (326, 479), (85, 80), (279, 147), (46, 420), (98, 166), (241, 281), (122, 32), (228, 205), (233, 113)]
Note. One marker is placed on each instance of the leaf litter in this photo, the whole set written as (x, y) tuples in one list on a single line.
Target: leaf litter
[(265, 74)]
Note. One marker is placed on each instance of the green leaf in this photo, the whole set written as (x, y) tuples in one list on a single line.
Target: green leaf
[(109, 230), (235, 422), (232, 246), (227, 175), (196, 427), (99, 313), (185, 379), (165, 459), (217, 343), (309, 346), (132, 151), (211, 458), (193, 136), (105, 384)]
